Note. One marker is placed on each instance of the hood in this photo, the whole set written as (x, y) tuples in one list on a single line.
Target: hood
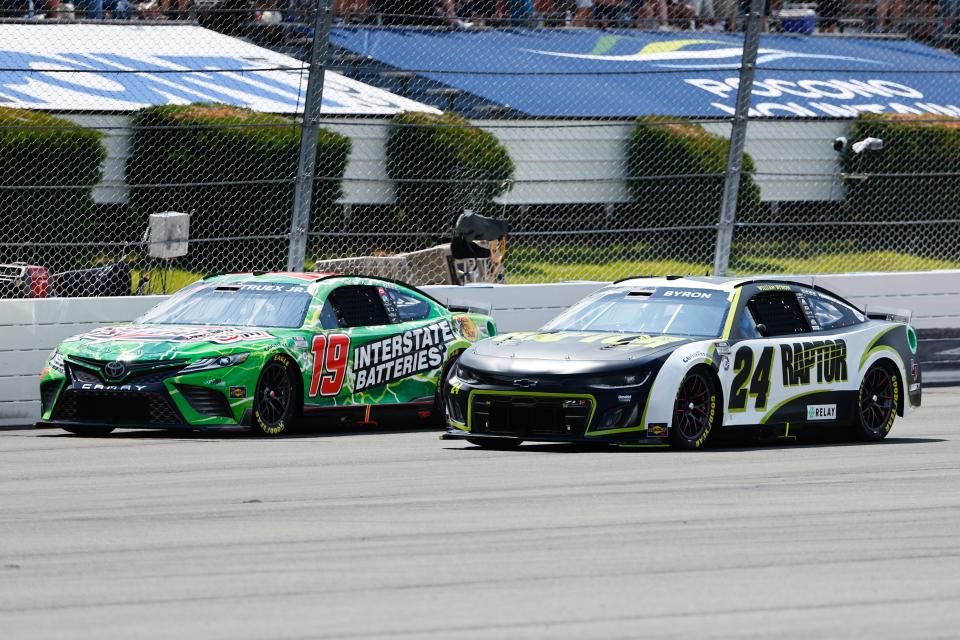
[(568, 351), (163, 341)]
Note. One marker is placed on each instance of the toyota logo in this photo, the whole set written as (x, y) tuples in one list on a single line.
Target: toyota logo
[(115, 369)]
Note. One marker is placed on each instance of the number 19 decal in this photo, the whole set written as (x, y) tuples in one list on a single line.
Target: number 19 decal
[(329, 364), (759, 380)]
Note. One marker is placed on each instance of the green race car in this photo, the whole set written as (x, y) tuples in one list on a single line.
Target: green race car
[(258, 351)]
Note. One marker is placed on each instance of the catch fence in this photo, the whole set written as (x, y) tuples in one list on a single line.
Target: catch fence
[(351, 137)]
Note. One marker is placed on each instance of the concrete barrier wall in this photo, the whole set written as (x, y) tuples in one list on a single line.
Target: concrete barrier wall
[(30, 329)]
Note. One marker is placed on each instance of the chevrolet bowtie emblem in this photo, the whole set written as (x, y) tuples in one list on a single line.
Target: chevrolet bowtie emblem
[(525, 382)]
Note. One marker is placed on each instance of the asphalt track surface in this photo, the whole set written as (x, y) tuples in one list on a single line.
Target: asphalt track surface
[(397, 534)]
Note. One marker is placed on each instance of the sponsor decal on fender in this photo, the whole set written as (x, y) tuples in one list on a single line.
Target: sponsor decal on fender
[(821, 412), (657, 430), (411, 352), (827, 357), (467, 327)]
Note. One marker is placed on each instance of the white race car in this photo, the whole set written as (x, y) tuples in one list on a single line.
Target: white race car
[(658, 361)]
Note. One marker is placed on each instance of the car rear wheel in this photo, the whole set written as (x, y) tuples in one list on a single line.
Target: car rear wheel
[(694, 411), (89, 432), (877, 404), (275, 401), (500, 444)]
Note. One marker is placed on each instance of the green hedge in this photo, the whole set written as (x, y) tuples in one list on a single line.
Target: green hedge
[(39, 150), (208, 146), (911, 146), (442, 165), (908, 180), (659, 146)]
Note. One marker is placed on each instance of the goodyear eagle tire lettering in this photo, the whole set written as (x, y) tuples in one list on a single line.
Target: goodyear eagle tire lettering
[(276, 396), (695, 410), (878, 400)]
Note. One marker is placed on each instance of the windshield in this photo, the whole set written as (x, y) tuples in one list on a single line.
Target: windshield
[(237, 305), (686, 312)]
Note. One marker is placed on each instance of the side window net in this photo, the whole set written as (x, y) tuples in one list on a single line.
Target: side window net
[(780, 312), (359, 306)]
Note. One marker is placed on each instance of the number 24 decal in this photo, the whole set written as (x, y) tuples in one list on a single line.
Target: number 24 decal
[(759, 380), (329, 364)]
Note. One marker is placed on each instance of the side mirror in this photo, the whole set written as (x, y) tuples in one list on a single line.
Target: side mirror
[(762, 329)]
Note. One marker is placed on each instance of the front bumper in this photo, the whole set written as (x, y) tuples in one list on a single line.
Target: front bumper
[(564, 413), (640, 441), (161, 399), (64, 424)]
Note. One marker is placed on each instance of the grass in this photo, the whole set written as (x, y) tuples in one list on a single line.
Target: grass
[(530, 271)]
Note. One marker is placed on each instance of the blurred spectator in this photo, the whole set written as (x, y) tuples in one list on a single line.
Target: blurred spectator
[(948, 16), (680, 14), (583, 13), (479, 12), (608, 13), (702, 11), (98, 9), (649, 14), (889, 13), (415, 12), (349, 10), (20, 8), (521, 13), (828, 12), (726, 13)]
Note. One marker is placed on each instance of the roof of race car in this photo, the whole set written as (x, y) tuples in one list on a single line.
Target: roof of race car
[(692, 282), (697, 282), (305, 279)]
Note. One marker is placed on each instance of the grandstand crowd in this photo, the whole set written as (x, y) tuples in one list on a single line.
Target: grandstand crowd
[(913, 18)]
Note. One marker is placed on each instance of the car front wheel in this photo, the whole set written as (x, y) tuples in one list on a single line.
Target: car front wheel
[(695, 410), (275, 400)]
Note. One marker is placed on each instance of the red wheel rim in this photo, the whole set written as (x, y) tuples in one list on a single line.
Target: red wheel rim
[(692, 409), (876, 399)]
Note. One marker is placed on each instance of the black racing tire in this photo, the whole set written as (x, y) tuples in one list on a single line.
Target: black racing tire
[(499, 444), (877, 402), (90, 432), (695, 410), (277, 399)]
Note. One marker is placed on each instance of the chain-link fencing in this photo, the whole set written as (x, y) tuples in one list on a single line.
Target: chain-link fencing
[(597, 133)]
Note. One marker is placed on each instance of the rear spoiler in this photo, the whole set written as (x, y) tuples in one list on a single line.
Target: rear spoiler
[(458, 307), (890, 314)]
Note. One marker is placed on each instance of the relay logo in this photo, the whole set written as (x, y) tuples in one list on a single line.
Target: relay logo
[(409, 353), (821, 412)]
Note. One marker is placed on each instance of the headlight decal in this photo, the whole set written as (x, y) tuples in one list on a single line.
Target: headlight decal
[(56, 361), (215, 362)]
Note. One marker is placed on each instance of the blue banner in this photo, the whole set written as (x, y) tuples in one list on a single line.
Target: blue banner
[(595, 73)]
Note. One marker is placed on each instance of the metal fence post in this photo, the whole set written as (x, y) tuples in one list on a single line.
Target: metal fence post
[(738, 135), (306, 165)]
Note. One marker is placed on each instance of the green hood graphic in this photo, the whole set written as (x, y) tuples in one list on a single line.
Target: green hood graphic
[(164, 342)]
